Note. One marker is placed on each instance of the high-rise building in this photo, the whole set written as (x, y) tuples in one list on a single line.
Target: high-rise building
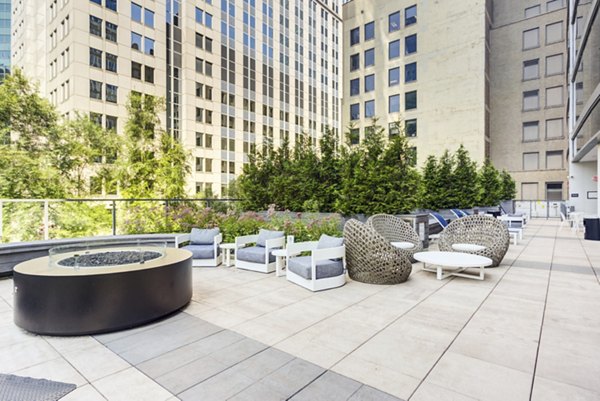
[(584, 105), (420, 69), (235, 74), (529, 95), (5, 12), (487, 74)]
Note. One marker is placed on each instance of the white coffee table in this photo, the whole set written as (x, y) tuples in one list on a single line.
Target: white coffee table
[(228, 248), (458, 261)]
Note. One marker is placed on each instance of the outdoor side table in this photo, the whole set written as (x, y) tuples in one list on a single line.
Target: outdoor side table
[(228, 248)]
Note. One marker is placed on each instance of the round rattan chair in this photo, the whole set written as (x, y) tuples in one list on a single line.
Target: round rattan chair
[(370, 258), (394, 229), (477, 230)]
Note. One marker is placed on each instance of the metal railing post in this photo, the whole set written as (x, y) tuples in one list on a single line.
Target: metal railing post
[(46, 219)]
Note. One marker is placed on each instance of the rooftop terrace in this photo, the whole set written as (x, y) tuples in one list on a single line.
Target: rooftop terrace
[(530, 331)]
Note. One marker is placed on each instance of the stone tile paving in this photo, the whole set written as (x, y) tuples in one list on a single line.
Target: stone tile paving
[(530, 331)]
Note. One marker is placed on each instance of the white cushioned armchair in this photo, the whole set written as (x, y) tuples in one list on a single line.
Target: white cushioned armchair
[(204, 246), (324, 268), (253, 252)]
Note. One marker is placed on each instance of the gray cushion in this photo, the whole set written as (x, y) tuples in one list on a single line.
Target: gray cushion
[(254, 254), (201, 251), (203, 236), (264, 235), (327, 241), (325, 268)]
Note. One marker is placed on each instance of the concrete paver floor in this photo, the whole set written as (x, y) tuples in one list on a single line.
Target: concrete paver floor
[(530, 331)]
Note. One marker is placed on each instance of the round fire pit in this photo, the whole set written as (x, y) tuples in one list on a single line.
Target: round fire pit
[(74, 292)]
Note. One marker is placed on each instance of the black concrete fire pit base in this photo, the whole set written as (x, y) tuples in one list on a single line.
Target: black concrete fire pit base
[(67, 301)]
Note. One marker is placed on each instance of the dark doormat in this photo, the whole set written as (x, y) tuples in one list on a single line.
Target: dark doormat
[(18, 388)]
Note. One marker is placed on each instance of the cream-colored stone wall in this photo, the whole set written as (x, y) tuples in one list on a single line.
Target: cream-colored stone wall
[(508, 85), (451, 57)]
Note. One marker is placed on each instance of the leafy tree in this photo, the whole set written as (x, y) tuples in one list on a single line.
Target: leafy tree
[(23, 176), (463, 189), (172, 168), (79, 149), (509, 190), (490, 184)]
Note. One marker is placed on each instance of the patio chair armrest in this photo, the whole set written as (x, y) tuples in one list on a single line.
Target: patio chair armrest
[(245, 240), (274, 243), (181, 239), (329, 253), (294, 248)]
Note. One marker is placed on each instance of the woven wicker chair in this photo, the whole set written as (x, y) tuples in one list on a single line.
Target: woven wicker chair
[(394, 229), (478, 230), (370, 258)]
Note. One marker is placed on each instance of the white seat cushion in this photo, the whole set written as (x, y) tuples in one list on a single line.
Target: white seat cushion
[(467, 247), (403, 245)]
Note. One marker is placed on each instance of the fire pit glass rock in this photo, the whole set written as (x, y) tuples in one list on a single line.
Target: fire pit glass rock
[(91, 255)]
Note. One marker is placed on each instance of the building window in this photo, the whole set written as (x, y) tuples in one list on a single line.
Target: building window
[(394, 49), (578, 27), (533, 11), (99, 2), (199, 65), (111, 93), (531, 161), (149, 74), (410, 44), (554, 96), (136, 70), (354, 111), (554, 64), (394, 104), (531, 38), (149, 18), (95, 57), (393, 76), (410, 72), (199, 163), (111, 4), (554, 191), (199, 139), (354, 62), (136, 12), (149, 46), (531, 100), (579, 92), (208, 165), (554, 160), (410, 15), (554, 33), (529, 191), (354, 86), (111, 123), (199, 41), (410, 127), (531, 69), (531, 131), (369, 57), (136, 41), (95, 26), (553, 5), (111, 31), (370, 31), (354, 36), (394, 22), (370, 109), (96, 118), (554, 128), (95, 89), (354, 136), (369, 83), (410, 100), (111, 62)]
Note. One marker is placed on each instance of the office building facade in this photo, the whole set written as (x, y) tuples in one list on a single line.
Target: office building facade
[(235, 74), (5, 18), (419, 71), (529, 96), (584, 110)]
